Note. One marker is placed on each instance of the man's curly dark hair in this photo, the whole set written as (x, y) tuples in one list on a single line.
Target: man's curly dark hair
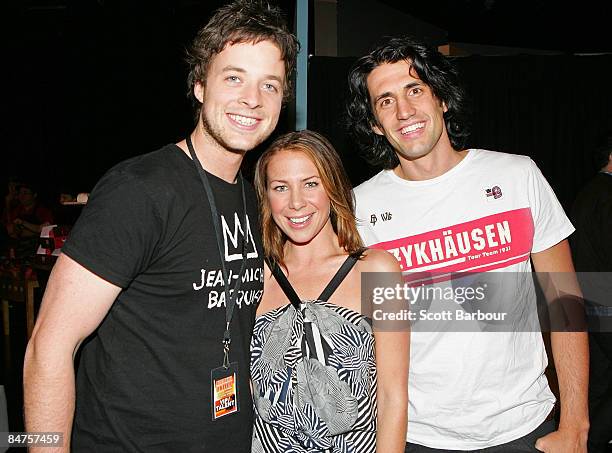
[(433, 68)]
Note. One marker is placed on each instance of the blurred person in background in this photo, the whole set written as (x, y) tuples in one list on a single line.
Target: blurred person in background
[(10, 199), (592, 253), (25, 219)]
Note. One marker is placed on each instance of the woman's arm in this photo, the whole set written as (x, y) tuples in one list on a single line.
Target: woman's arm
[(392, 359)]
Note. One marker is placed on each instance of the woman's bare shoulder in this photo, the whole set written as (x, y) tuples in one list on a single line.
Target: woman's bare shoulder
[(376, 260)]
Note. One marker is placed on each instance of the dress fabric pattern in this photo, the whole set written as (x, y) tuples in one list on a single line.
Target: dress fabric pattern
[(314, 378)]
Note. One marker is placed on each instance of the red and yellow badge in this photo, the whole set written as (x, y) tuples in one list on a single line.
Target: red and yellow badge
[(225, 394)]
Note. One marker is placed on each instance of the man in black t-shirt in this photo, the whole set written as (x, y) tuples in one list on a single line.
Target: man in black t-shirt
[(167, 244), (592, 252)]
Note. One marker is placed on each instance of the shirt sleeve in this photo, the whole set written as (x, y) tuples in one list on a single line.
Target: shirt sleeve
[(363, 226), (551, 224), (118, 231)]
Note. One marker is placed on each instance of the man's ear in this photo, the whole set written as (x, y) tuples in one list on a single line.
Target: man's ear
[(198, 91), (444, 107)]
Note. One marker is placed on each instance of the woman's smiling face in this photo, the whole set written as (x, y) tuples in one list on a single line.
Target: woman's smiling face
[(298, 201)]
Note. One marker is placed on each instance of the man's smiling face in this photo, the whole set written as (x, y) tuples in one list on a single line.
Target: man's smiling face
[(406, 111), (242, 95)]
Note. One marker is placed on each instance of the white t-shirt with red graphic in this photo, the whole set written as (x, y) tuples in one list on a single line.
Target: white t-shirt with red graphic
[(470, 389)]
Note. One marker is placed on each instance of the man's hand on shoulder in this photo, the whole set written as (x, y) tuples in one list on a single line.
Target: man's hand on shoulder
[(568, 440)]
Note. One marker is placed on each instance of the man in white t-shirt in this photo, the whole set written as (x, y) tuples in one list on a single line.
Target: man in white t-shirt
[(449, 212)]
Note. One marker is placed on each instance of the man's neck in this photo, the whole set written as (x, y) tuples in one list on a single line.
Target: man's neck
[(214, 158), (430, 166)]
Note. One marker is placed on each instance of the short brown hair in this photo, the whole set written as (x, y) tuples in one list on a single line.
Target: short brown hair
[(335, 182), (239, 22)]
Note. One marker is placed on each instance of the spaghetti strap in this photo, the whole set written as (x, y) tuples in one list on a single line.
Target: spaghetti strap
[(340, 275), (346, 267), (284, 284)]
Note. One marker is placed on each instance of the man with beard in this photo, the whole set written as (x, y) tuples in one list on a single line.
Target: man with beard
[(164, 267)]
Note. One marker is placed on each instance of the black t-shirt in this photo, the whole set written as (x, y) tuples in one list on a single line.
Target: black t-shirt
[(592, 217), (143, 380), (592, 241)]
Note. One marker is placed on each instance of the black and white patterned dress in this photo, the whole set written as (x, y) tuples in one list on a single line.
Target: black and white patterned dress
[(314, 376)]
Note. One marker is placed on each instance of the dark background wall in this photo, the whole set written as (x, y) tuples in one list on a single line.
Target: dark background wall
[(88, 83), (361, 24)]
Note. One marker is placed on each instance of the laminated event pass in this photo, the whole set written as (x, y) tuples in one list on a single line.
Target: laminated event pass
[(224, 388)]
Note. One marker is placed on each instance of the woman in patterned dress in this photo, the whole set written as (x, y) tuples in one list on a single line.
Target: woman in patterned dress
[(323, 379)]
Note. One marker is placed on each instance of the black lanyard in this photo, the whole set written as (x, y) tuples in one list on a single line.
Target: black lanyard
[(230, 301)]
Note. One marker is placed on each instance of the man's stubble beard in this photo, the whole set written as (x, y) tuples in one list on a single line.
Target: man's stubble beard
[(217, 136)]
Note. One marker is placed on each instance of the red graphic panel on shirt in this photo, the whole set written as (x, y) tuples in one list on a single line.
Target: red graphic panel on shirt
[(480, 245)]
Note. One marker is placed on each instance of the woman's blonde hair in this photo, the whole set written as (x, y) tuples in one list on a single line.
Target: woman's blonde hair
[(335, 182)]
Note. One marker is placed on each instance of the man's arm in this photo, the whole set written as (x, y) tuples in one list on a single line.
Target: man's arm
[(570, 352), (29, 229), (74, 304)]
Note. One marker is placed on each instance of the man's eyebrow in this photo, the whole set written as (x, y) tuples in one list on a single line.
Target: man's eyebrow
[(274, 77), (381, 96), (388, 93), (233, 68), (412, 85), (230, 68)]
